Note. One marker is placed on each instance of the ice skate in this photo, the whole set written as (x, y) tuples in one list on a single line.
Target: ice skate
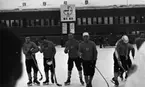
[(36, 82), (81, 81), (52, 80), (29, 83), (46, 82), (67, 82)]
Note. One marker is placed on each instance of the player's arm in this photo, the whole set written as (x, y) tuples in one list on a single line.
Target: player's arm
[(41, 47), (117, 56), (80, 50), (95, 52), (132, 51), (66, 47), (53, 50), (35, 48), (25, 51)]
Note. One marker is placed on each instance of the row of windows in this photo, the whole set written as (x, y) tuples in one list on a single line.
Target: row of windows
[(111, 20), (30, 22), (80, 21)]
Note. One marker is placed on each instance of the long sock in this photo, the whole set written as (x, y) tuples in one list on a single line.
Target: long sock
[(35, 76), (46, 75), (80, 74), (86, 79), (29, 76)]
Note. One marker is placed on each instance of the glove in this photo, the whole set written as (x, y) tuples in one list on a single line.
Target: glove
[(93, 63), (66, 50), (49, 62), (30, 51)]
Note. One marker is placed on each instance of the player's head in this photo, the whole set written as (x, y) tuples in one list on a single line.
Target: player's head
[(86, 36), (43, 38), (10, 60), (125, 38), (70, 36), (27, 39)]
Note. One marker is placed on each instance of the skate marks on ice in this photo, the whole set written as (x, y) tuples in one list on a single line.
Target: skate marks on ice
[(42, 85), (106, 69), (121, 83)]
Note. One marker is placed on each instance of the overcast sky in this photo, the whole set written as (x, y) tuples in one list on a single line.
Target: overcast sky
[(10, 4)]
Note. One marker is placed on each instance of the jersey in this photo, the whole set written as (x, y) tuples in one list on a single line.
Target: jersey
[(72, 46), (88, 50), (138, 77), (27, 47), (122, 48), (48, 49)]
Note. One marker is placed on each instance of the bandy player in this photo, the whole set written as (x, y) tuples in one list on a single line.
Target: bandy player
[(137, 73)]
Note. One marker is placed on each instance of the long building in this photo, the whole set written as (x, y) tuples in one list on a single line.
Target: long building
[(110, 22)]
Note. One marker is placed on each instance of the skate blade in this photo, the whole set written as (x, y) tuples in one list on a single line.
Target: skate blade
[(112, 81), (45, 83), (29, 85), (66, 84), (36, 84), (82, 84)]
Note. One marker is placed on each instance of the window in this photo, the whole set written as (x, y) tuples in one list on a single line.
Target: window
[(17, 23), (64, 28), (105, 20), (21, 23), (89, 21), (29, 24), (116, 19), (12, 23), (7, 23), (126, 20), (56, 21), (52, 22), (99, 20), (142, 19), (110, 20), (84, 21), (46, 22), (37, 22), (79, 21), (132, 19), (42, 22), (137, 20), (94, 20), (121, 20)]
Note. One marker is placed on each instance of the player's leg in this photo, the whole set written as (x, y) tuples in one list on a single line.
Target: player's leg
[(70, 67), (52, 69), (91, 72), (116, 70), (79, 68), (35, 68), (28, 69), (46, 68), (86, 73)]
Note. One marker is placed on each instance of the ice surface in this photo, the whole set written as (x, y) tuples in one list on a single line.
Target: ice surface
[(104, 64)]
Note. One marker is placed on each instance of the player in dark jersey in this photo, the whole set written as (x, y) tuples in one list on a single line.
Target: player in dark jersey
[(88, 52), (128, 60), (29, 49), (49, 51), (71, 47), (121, 57)]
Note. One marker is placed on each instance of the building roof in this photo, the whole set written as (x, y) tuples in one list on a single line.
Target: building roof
[(83, 7)]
